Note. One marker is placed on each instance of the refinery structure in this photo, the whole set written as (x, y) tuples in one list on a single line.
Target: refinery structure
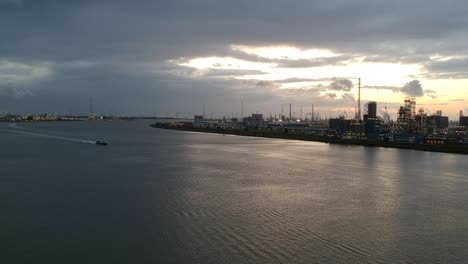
[(412, 125)]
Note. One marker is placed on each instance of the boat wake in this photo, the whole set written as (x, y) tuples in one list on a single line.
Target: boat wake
[(23, 131)]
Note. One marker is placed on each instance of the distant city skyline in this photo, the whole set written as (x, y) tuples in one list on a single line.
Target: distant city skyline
[(168, 57)]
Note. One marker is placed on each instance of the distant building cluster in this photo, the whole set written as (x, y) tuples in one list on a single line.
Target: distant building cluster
[(42, 117), (54, 117), (409, 121), (411, 125), (253, 121)]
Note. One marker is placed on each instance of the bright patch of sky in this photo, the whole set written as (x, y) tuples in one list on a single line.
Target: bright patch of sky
[(378, 74), (285, 52), (378, 78), (21, 72)]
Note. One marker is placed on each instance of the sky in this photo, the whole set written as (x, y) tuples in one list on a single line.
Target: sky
[(164, 58)]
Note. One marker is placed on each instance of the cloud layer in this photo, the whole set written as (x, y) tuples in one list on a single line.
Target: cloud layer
[(413, 88), (127, 55)]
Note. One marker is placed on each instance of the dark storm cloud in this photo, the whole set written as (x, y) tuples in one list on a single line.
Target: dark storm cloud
[(397, 58), (457, 67), (412, 88), (439, 76), (179, 28), (111, 49), (341, 85)]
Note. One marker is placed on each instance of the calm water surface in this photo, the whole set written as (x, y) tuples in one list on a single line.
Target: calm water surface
[(159, 196)]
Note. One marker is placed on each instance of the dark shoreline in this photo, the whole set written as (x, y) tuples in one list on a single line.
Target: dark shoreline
[(443, 148), (30, 121)]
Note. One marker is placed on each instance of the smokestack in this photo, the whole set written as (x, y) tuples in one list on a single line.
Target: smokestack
[(359, 99), (312, 115), (290, 113)]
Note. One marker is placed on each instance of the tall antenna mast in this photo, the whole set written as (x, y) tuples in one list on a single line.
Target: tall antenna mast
[(203, 111), (91, 105), (290, 113)]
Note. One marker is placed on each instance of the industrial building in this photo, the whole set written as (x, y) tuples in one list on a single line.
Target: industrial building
[(412, 125), (255, 120), (372, 123), (421, 123), (463, 120), (406, 116), (340, 124), (199, 121)]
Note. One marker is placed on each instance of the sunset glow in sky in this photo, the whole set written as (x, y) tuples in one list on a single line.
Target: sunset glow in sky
[(380, 81)]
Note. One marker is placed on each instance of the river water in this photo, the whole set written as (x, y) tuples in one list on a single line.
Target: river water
[(160, 196)]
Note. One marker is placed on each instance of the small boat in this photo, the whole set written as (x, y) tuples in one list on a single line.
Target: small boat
[(101, 142)]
